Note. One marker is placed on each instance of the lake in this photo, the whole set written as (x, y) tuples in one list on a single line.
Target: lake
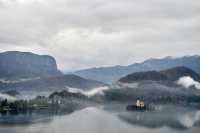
[(107, 119)]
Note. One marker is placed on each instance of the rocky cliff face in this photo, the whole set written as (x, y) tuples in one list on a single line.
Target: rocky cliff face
[(15, 65)]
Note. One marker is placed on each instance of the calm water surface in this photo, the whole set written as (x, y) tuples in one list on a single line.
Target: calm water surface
[(107, 120)]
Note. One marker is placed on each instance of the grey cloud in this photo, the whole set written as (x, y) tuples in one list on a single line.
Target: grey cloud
[(87, 33)]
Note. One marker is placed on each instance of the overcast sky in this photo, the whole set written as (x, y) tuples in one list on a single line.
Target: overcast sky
[(88, 33)]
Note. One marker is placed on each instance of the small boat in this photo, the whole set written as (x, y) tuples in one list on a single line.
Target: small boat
[(138, 106)]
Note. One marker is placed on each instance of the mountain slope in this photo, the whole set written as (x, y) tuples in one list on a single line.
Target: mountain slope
[(112, 74), (138, 76), (15, 65), (175, 73), (53, 83), (172, 74)]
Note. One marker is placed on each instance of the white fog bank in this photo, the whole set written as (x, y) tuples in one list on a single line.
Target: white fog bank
[(188, 82), (89, 93)]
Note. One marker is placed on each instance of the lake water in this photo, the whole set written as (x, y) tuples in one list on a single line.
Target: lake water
[(107, 119)]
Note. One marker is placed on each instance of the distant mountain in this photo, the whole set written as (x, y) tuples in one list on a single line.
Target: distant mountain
[(112, 74), (172, 74), (156, 87), (52, 84), (175, 73), (15, 65), (139, 76)]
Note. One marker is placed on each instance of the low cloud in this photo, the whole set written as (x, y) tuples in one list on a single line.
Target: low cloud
[(188, 82), (89, 93)]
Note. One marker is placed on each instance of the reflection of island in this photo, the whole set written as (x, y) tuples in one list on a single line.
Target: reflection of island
[(168, 116)]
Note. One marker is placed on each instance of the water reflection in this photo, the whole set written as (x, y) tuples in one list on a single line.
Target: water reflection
[(112, 120), (178, 118)]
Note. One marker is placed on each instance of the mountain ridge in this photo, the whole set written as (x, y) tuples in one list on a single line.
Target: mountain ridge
[(172, 74), (53, 83), (113, 73)]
